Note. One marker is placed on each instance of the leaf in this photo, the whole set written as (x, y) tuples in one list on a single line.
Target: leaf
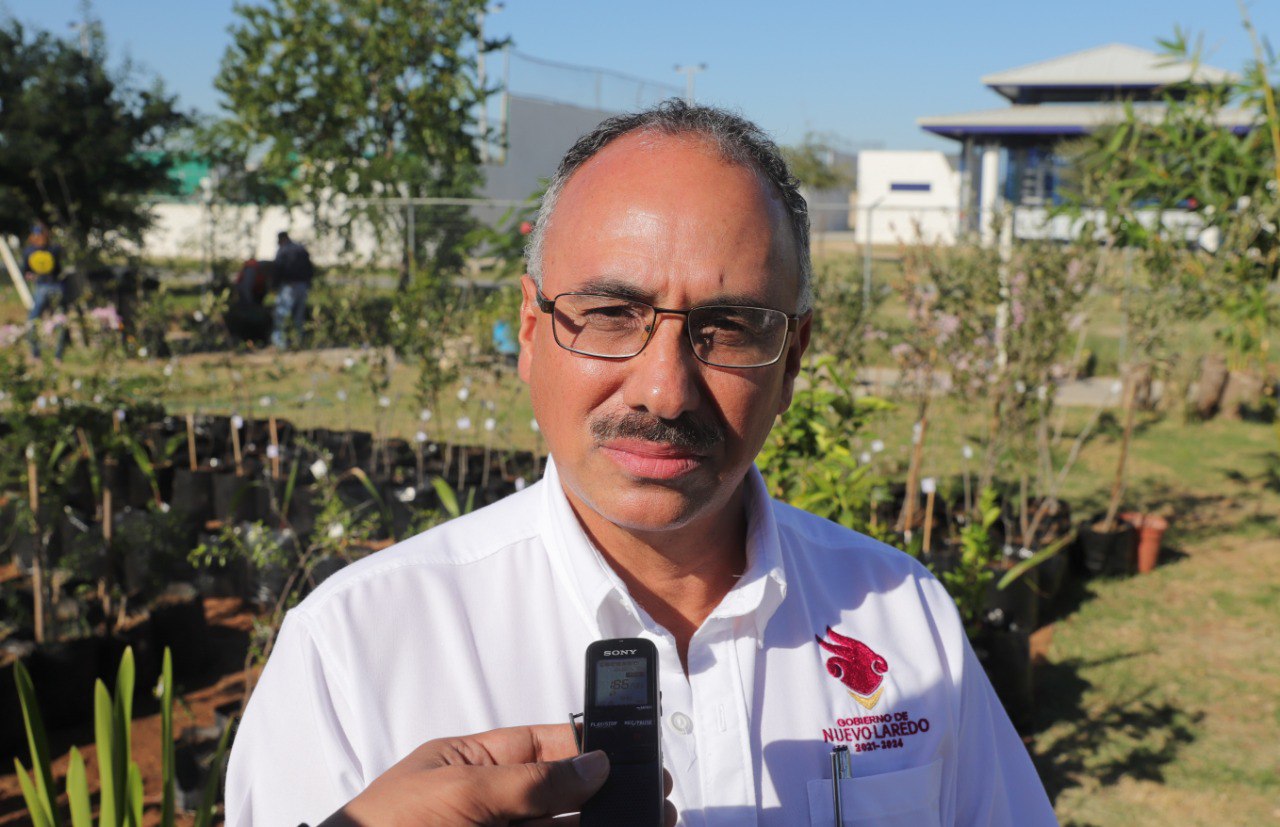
[(448, 500), (37, 807), (1034, 560), (78, 791), (209, 799), (168, 770), (109, 814), (122, 733), (37, 742), (135, 795)]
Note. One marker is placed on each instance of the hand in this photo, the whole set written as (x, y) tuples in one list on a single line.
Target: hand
[(495, 778)]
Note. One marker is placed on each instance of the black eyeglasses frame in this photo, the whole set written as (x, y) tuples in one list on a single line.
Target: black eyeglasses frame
[(548, 306)]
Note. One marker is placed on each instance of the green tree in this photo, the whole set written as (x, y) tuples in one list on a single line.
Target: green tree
[(813, 162), (81, 146), (362, 99)]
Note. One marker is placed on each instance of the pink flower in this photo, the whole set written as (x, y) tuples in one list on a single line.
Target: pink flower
[(10, 333), (901, 351), (107, 317), (1019, 313), (54, 322), (947, 325)]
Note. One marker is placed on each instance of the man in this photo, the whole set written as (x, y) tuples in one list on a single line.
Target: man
[(42, 267), (294, 272), (663, 324)]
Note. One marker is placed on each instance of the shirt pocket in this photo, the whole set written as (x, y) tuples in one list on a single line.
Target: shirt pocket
[(906, 798)]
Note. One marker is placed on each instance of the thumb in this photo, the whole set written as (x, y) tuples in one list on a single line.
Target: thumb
[(545, 788)]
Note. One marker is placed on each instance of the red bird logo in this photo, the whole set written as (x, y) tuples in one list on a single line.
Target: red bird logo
[(856, 666)]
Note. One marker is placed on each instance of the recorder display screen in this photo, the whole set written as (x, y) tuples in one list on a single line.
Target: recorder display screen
[(622, 682)]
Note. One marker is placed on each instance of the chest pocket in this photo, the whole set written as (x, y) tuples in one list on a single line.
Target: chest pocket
[(906, 798)]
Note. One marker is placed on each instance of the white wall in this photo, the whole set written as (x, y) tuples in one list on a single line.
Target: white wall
[(909, 212)]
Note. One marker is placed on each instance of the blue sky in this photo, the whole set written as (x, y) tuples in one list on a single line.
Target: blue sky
[(861, 69)]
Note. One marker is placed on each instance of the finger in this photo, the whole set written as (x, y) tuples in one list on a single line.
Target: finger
[(541, 789), (527, 744), (671, 816), (668, 784)]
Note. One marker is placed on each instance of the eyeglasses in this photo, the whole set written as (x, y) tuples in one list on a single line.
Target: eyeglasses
[(722, 335)]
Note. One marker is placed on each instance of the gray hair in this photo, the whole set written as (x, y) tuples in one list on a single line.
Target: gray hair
[(738, 141)]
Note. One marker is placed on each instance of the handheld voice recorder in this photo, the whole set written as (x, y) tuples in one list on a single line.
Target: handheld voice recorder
[(621, 717)]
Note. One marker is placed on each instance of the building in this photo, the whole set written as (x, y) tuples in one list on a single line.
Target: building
[(1009, 155)]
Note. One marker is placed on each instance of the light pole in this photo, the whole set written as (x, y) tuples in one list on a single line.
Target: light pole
[(689, 72)]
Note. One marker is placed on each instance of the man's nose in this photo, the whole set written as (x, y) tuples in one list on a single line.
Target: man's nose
[(663, 378)]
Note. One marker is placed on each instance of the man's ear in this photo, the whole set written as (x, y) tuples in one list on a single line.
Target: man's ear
[(529, 314), (794, 358)]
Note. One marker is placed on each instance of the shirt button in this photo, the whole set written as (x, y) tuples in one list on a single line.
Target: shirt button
[(681, 723)]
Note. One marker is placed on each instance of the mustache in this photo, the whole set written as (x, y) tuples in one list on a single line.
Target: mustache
[(685, 432)]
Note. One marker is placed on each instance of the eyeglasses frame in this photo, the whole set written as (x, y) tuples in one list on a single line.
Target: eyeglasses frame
[(548, 306)]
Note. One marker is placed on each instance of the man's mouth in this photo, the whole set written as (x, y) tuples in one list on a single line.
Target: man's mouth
[(652, 460)]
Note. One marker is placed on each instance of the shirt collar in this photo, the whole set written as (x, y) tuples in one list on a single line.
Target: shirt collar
[(602, 598)]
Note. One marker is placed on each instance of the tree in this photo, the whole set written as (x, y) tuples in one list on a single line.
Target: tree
[(813, 162), (81, 146), (358, 99)]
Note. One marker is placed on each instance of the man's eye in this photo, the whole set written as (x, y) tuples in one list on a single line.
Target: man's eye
[(612, 314)]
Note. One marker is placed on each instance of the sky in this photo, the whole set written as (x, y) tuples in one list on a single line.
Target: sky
[(861, 71)]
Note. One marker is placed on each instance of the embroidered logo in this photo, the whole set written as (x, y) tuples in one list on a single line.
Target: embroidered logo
[(855, 665)]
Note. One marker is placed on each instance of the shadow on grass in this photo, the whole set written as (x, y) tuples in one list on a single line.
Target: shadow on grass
[(1134, 737)]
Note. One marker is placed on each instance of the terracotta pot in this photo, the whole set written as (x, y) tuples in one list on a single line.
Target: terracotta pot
[(1151, 529)]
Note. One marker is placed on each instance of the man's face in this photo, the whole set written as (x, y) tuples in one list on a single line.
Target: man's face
[(666, 220)]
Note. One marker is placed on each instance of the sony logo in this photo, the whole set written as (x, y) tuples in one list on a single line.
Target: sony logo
[(614, 652)]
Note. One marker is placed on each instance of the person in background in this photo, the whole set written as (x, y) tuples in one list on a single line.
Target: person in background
[(294, 273), (42, 267)]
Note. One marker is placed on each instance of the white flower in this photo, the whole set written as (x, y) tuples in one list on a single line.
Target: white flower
[(1042, 393), (164, 508), (158, 689), (463, 394), (407, 494), (384, 401), (198, 316), (348, 363), (97, 399), (967, 451), (168, 370), (53, 400), (237, 421), (265, 402), (75, 384), (213, 462), (877, 446), (420, 436), (31, 452), (865, 458), (917, 433), (41, 402), (142, 352), (464, 423), (336, 531), (489, 405), (319, 469), (520, 483), (928, 485), (424, 415), (120, 415), (342, 396), (490, 424), (1020, 386), (273, 451)]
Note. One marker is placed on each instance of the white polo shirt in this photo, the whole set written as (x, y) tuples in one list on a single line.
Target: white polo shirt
[(828, 638)]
